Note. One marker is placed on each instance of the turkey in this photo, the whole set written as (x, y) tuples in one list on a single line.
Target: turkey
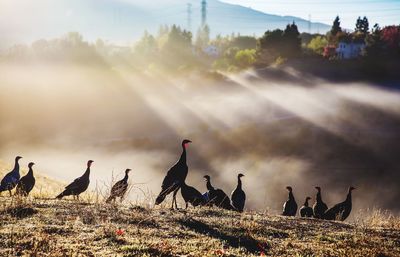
[(319, 207), (217, 196), (11, 179), (79, 185), (175, 177), (192, 195), (305, 210), (238, 196), (27, 182), (290, 206), (341, 210), (119, 189)]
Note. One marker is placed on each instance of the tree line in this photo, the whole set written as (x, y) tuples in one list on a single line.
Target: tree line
[(174, 49)]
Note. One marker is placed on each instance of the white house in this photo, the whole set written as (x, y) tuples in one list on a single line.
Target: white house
[(211, 50), (349, 50)]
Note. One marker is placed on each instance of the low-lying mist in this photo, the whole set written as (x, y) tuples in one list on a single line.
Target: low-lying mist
[(301, 133)]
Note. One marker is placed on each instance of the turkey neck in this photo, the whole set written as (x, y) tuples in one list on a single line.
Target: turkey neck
[(291, 197), (126, 177), (209, 186), (306, 203), (16, 166), (239, 185), (30, 172), (348, 198), (87, 172), (319, 199), (183, 155)]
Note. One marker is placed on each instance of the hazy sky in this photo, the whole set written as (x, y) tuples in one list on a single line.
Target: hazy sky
[(386, 12), (123, 21)]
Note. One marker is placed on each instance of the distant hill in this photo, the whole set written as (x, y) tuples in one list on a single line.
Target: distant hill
[(125, 20)]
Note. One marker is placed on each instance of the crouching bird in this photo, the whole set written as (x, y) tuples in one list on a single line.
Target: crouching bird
[(119, 189), (11, 179), (175, 177), (79, 185), (27, 182), (341, 210), (305, 210), (217, 197), (192, 195)]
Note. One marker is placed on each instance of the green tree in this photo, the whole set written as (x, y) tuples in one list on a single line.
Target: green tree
[(291, 41), (244, 42), (362, 25), (177, 50), (374, 42), (317, 44), (147, 45), (202, 37), (245, 58), (271, 40), (335, 27)]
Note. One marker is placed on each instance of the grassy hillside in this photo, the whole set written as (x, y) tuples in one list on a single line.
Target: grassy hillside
[(40, 225), (60, 228)]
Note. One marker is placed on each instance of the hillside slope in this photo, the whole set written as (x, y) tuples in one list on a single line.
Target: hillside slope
[(62, 228)]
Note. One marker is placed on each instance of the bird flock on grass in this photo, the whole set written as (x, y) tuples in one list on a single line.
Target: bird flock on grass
[(174, 180)]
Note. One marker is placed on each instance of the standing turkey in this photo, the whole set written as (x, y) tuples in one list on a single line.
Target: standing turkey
[(11, 179), (319, 207), (119, 189), (79, 185), (305, 210), (341, 210), (290, 206), (192, 195), (175, 177), (27, 182), (217, 197), (238, 196)]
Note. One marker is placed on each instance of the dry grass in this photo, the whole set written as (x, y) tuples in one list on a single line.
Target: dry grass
[(49, 227), (41, 226)]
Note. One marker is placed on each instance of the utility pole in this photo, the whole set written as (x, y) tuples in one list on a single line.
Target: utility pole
[(203, 13)]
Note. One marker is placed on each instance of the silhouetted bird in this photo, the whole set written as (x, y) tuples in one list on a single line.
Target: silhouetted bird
[(290, 206), (238, 196), (305, 210), (192, 195), (341, 210), (319, 207), (119, 189), (27, 182), (217, 197), (175, 177), (11, 179), (79, 185)]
